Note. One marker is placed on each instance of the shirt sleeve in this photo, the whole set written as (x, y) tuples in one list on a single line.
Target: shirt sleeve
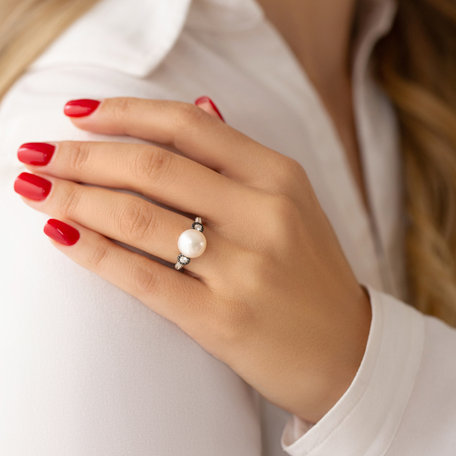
[(402, 400)]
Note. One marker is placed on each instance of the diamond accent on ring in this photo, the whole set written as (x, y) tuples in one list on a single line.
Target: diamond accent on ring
[(182, 259), (197, 226)]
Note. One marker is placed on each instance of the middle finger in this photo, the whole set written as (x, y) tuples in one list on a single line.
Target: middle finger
[(157, 173)]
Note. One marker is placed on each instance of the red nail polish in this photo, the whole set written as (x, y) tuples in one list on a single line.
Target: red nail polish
[(80, 108), (205, 99), (37, 154), (61, 232), (32, 186)]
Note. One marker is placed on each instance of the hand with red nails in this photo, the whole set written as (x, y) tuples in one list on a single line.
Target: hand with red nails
[(272, 296)]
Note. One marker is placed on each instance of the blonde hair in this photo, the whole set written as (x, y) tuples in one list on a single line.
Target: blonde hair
[(27, 27), (415, 63), (416, 66)]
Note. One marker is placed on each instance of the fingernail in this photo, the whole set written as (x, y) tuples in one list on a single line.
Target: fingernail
[(61, 232), (80, 108), (205, 99), (37, 154), (32, 186)]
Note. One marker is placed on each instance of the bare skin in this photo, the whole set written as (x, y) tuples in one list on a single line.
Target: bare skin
[(327, 60)]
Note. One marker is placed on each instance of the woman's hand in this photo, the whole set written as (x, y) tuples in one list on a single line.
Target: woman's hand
[(272, 296)]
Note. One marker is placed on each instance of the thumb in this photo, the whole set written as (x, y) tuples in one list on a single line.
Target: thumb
[(206, 104)]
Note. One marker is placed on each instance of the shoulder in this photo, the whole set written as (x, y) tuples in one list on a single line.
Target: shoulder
[(106, 52), (131, 38), (139, 49)]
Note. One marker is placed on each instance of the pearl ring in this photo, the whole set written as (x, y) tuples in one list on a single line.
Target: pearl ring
[(191, 244)]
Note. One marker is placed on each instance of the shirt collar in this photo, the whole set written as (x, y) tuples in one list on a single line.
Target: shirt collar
[(375, 19), (133, 41), (137, 42)]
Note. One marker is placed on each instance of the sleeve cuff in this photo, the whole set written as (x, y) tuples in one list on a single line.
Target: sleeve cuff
[(364, 420)]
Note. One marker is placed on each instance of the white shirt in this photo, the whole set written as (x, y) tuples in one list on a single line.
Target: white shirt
[(88, 370)]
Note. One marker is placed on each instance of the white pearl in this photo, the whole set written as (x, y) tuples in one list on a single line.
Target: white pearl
[(191, 243)]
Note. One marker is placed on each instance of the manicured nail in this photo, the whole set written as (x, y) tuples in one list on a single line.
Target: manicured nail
[(32, 186), (37, 154), (61, 232), (80, 108), (205, 99)]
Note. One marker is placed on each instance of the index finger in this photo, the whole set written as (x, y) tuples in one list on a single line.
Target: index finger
[(184, 126)]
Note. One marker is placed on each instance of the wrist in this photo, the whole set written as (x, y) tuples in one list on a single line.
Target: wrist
[(342, 360)]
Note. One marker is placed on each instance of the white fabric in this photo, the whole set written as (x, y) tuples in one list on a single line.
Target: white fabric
[(88, 370)]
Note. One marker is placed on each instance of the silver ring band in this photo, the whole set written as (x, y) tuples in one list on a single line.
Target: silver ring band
[(191, 244)]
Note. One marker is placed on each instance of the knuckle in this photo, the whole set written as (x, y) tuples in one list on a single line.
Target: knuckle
[(283, 208), (259, 267), (98, 256), (234, 314), (233, 320), (144, 280), (136, 221), (149, 165), (71, 200), (287, 171), (78, 156), (119, 107), (188, 115), (279, 223)]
